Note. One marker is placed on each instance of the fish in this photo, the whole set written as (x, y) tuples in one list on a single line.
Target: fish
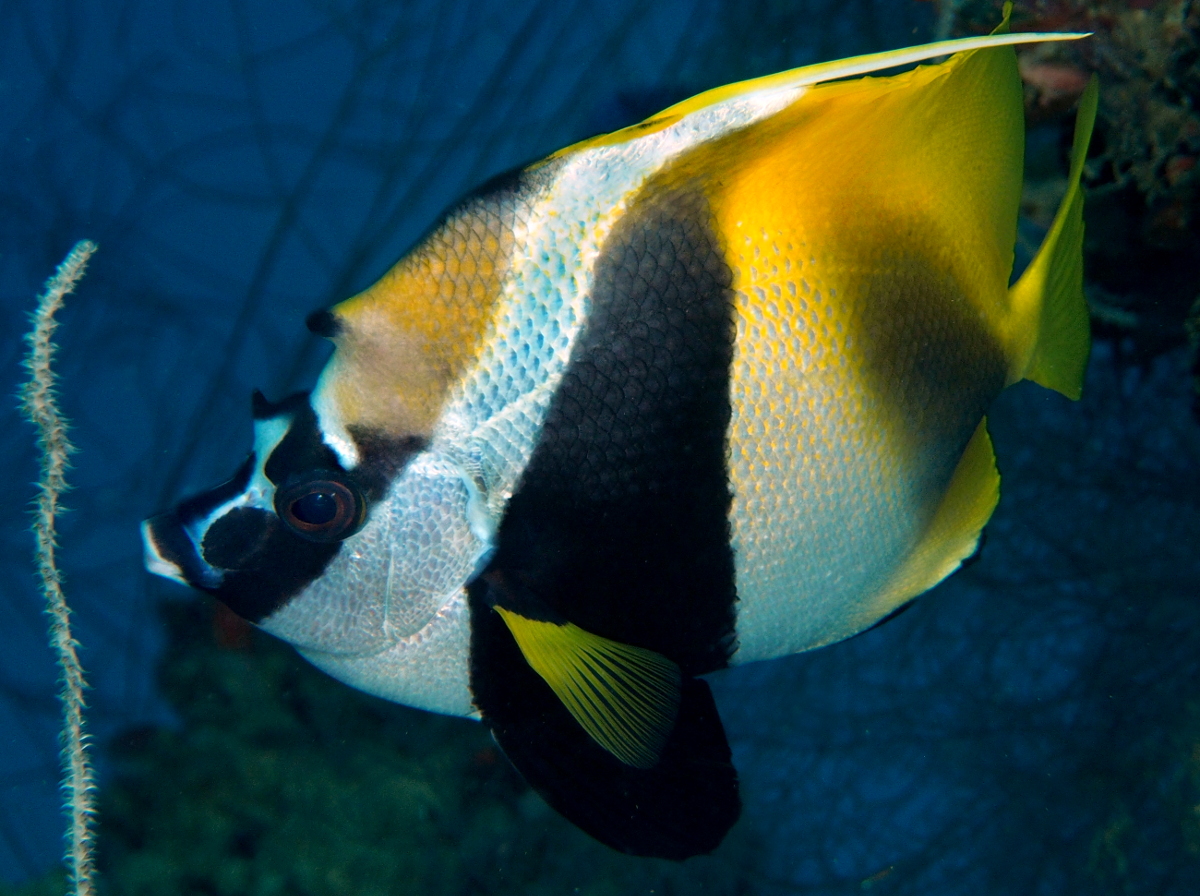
[(707, 390)]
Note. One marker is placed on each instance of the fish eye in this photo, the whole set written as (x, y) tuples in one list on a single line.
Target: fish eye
[(321, 506)]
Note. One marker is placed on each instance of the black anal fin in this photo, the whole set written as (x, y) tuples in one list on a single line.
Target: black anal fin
[(681, 806)]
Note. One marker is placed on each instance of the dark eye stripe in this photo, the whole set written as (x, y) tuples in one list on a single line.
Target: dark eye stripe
[(279, 566), (302, 448), (200, 506)]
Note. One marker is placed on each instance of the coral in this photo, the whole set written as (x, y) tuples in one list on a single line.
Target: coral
[(40, 404), (281, 780), (1143, 244)]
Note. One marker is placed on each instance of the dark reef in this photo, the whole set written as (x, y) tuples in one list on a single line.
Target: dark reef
[(279, 779), (1142, 254)]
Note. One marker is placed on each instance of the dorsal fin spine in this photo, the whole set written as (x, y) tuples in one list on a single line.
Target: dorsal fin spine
[(809, 75)]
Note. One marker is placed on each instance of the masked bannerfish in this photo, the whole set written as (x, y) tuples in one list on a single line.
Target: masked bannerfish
[(704, 391)]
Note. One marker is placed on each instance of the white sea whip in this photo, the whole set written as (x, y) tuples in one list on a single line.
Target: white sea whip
[(39, 402)]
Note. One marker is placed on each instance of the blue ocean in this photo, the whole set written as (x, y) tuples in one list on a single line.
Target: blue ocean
[(1029, 726)]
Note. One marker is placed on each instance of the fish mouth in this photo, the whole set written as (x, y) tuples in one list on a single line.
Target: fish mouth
[(169, 551)]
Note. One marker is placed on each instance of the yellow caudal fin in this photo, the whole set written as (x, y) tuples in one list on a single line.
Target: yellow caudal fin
[(953, 535), (626, 698), (809, 75), (1050, 292)]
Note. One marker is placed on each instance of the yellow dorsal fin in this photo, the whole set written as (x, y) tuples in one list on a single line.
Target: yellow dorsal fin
[(626, 698), (812, 74), (1050, 291), (953, 535)]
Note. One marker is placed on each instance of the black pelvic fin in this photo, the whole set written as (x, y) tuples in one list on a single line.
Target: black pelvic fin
[(680, 807)]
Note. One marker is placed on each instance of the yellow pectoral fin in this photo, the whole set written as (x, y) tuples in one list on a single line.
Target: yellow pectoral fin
[(626, 698), (1050, 293), (954, 533)]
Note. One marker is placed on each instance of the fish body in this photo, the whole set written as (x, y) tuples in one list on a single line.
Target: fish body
[(704, 391)]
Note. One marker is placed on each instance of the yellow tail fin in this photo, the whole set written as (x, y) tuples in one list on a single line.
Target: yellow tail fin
[(1053, 282)]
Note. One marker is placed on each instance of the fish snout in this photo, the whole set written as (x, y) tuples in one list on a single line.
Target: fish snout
[(169, 551)]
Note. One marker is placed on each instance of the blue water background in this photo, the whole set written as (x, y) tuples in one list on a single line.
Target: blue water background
[(243, 164)]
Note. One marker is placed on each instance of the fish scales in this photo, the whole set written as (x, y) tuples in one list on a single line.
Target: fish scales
[(707, 390), (845, 436)]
